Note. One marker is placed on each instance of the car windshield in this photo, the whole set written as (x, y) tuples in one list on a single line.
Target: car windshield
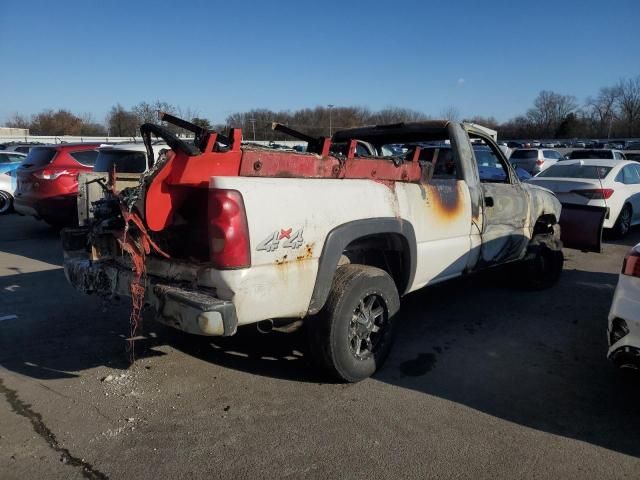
[(591, 154), (575, 170), (124, 161), (486, 158), (525, 154), (39, 157)]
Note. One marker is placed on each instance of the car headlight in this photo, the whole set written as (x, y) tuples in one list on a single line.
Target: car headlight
[(619, 329)]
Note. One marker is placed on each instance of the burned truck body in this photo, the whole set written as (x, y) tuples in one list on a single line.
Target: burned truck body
[(219, 234)]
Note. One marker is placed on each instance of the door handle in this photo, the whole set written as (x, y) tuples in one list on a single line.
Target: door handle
[(488, 201)]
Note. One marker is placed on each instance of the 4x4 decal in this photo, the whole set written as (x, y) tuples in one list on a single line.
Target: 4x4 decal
[(285, 238)]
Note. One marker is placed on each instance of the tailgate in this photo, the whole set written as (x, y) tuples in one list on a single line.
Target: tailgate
[(581, 226)]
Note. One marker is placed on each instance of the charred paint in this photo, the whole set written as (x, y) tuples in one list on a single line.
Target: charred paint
[(445, 200)]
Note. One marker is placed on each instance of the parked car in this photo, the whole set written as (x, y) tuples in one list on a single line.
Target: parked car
[(596, 154), (534, 160), (489, 166), (623, 332), (632, 145), (614, 184), (10, 160), (48, 181), (20, 147), (7, 188)]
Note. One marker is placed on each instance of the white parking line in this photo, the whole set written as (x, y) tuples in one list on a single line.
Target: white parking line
[(8, 317)]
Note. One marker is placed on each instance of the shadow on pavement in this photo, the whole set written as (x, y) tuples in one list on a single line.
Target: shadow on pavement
[(17, 234), (533, 358), (629, 240)]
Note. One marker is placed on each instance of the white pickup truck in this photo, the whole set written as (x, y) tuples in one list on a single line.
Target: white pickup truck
[(218, 235)]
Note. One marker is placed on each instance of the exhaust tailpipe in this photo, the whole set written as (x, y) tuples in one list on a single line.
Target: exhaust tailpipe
[(265, 326)]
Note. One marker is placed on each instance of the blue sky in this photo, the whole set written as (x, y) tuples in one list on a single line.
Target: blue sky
[(483, 57)]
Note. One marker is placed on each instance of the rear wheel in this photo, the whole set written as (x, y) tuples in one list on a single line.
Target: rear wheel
[(6, 202), (623, 223), (352, 335)]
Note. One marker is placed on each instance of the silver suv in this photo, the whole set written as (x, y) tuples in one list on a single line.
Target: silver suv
[(534, 160)]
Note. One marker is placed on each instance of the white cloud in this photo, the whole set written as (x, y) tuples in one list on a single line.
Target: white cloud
[(460, 81)]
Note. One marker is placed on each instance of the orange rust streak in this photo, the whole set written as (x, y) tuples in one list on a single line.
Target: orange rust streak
[(307, 254)]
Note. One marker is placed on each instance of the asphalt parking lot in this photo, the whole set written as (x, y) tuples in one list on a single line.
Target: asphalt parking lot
[(484, 381)]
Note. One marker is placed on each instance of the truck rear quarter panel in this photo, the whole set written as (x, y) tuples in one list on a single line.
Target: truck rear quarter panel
[(289, 220)]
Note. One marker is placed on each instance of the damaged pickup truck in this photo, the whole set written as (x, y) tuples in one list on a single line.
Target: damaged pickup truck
[(218, 234)]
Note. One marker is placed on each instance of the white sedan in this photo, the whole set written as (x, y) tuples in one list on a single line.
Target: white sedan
[(614, 184), (624, 317), (7, 187)]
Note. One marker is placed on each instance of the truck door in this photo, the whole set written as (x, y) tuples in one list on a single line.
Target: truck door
[(504, 207)]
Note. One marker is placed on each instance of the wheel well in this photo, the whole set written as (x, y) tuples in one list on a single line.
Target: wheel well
[(388, 251), (544, 224), (626, 204)]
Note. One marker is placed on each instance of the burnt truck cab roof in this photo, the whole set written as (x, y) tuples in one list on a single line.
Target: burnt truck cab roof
[(404, 132)]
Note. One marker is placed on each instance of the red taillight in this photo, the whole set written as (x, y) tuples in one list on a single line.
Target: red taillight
[(51, 174), (596, 193), (631, 264), (229, 245)]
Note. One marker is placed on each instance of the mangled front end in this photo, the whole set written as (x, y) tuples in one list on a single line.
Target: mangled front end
[(580, 225)]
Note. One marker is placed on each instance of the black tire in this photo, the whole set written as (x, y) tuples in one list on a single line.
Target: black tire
[(6, 202), (623, 223), (542, 266), (362, 298)]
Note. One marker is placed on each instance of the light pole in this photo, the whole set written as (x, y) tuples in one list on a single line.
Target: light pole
[(330, 126), (253, 125), (610, 125)]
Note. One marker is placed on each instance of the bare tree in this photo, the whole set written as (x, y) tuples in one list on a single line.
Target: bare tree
[(122, 122), (629, 104), (90, 127), (145, 113), (489, 122), (450, 113), (397, 114), (602, 109), (60, 122), (549, 110), (18, 121)]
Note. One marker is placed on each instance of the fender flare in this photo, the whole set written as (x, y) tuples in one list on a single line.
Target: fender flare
[(342, 235)]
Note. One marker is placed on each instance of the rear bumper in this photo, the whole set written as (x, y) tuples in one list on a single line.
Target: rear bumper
[(195, 311), (624, 348), (61, 209)]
